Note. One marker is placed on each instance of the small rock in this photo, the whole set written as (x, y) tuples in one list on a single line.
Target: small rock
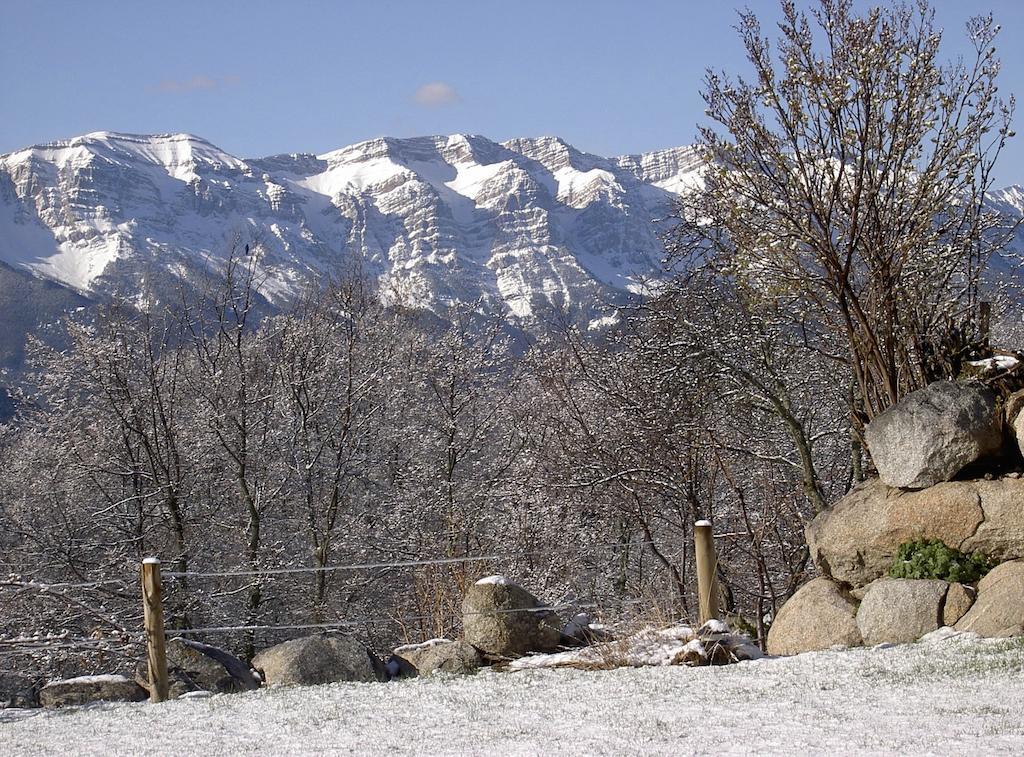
[(437, 656), (959, 599), (194, 666), (85, 689), (693, 654), (998, 610), (210, 668)]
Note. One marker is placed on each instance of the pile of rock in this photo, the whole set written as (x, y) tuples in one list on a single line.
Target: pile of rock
[(711, 644), (502, 622), (919, 446)]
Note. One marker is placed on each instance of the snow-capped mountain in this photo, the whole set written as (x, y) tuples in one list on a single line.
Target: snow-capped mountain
[(514, 228), (1009, 200), (517, 226)]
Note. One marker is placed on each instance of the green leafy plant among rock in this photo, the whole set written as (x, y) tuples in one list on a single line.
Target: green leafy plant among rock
[(930, 558)]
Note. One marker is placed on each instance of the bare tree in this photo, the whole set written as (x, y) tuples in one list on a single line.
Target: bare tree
[(844, 189), (234, 388), (332, 392)]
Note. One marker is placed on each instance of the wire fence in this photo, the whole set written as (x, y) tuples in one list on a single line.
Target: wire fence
[(123, 636), (129, 643)]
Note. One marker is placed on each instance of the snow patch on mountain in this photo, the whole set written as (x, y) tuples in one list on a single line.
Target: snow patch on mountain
[(515, 228)]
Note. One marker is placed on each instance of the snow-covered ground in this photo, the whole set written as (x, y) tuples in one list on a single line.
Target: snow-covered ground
[(943, 696)]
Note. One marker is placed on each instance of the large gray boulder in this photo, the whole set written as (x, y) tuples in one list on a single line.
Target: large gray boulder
[(438, 656), (86, 689), (900, 611), (998, 609), (502, 619), (194, 666), (934, 433), (821, 615), (856, 540), (317, 659)]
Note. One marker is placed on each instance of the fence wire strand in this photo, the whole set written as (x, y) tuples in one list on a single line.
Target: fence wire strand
[(376, 566), (28, 643)]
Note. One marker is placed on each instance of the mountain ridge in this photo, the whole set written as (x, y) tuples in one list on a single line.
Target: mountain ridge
[(515, 227), (518, 225)]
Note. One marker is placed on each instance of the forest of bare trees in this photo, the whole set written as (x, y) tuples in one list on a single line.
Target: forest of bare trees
[(344, 433), (834, 261)]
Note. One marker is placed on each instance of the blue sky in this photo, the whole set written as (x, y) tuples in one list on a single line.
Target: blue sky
[(258, 78)]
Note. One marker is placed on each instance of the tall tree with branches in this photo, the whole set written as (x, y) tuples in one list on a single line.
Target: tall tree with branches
[(844, 191)]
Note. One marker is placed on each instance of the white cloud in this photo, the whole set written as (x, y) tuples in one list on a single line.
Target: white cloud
[(436, 94)]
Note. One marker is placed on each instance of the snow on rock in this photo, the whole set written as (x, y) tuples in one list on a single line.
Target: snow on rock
[(714, 626), (421, 645), (521, 227), (947, 633), (651, 647), (494, 581), (102, 678), (997, 363)]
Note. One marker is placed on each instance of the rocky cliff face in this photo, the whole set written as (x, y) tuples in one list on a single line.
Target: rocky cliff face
[(517, 227)]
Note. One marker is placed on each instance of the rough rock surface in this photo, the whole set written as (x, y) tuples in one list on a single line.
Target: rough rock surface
[(1013, 419), (819, 616), (19, 691), (1000, 535), (856, 541), (932, 434), (514, 227), (998, 609), (901, 610), (85, 689), (959, 599), (203, 667), (440, 656), (502, 619), (316, 659)]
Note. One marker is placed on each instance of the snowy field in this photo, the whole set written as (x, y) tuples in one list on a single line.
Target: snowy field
[(942, 696)]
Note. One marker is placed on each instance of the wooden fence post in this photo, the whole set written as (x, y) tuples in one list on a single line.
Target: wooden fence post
[(707, 570), (156, 642)]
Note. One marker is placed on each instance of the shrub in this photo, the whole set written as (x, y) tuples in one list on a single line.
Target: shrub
[(930, 558)]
